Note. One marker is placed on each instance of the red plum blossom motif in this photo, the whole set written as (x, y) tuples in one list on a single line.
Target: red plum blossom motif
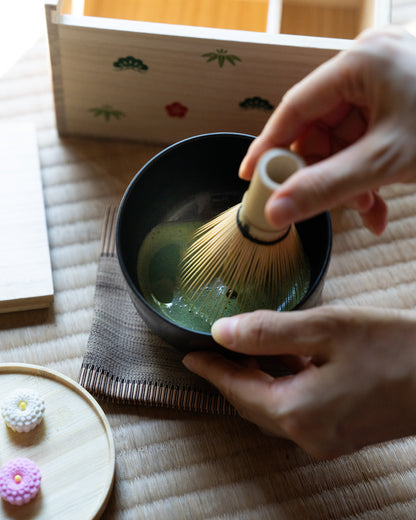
[(176, 109)]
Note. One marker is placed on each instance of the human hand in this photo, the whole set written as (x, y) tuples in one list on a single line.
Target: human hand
[(356, 383), (352, 120)]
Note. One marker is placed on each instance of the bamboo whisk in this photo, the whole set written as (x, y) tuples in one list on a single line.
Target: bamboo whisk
[(238, 262)]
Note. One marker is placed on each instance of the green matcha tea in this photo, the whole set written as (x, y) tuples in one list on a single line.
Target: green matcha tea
[(158, 270)]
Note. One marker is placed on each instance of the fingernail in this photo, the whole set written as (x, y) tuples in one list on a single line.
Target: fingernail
[(188, 361), (223, 330), (242, 170), (282, 211)]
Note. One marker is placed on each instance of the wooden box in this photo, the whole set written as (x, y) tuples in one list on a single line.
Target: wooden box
[(163, 70)]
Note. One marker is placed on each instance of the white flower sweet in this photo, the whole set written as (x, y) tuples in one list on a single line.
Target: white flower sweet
[(23, 410)]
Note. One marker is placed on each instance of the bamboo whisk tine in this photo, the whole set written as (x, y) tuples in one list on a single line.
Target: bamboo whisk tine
[(238, 261)]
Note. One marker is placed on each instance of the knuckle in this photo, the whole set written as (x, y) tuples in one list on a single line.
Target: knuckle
[(385, 46), (327, 324), (312, 435), (255, 329), (381, 39)]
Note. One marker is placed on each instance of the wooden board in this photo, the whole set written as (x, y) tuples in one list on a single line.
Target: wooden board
[(72, 446), (163, 82), (25, 267)]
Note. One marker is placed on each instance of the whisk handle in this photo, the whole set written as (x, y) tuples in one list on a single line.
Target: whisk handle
[(273, 167)]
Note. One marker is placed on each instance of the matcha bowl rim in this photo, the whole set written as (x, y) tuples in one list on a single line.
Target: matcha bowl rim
[(174, 174)]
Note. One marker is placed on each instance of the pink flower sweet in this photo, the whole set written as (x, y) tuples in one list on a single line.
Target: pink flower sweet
[(19, 481)]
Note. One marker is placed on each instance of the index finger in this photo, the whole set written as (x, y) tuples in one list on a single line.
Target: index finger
[(253, 393), (321, 93)]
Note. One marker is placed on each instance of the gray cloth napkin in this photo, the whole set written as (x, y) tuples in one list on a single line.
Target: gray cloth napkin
[(124, 360)]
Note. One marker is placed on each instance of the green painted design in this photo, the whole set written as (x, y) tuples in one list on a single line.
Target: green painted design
[(130, 63), (256, 103), (222, 57), (107, 111)]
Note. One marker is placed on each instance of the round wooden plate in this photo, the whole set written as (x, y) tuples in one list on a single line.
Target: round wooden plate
[(72, 446)]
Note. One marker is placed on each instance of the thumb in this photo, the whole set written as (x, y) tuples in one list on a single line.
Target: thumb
[(271, 333), (354, 171)]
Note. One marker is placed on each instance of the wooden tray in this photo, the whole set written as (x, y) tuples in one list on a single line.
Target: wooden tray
[(72, 446)]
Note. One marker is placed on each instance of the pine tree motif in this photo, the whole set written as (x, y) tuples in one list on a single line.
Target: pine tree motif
[(256, 103), (130, 63)]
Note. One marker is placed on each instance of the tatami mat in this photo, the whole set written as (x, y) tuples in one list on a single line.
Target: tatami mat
[(171, 465)]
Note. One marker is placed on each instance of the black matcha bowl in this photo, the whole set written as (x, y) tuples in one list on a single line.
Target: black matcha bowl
[(198, 176)]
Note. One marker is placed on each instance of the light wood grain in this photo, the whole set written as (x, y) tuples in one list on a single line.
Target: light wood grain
[(324, 18), (55, 59), (315, 20), (248, 15), (73, 447), (25, 269)]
